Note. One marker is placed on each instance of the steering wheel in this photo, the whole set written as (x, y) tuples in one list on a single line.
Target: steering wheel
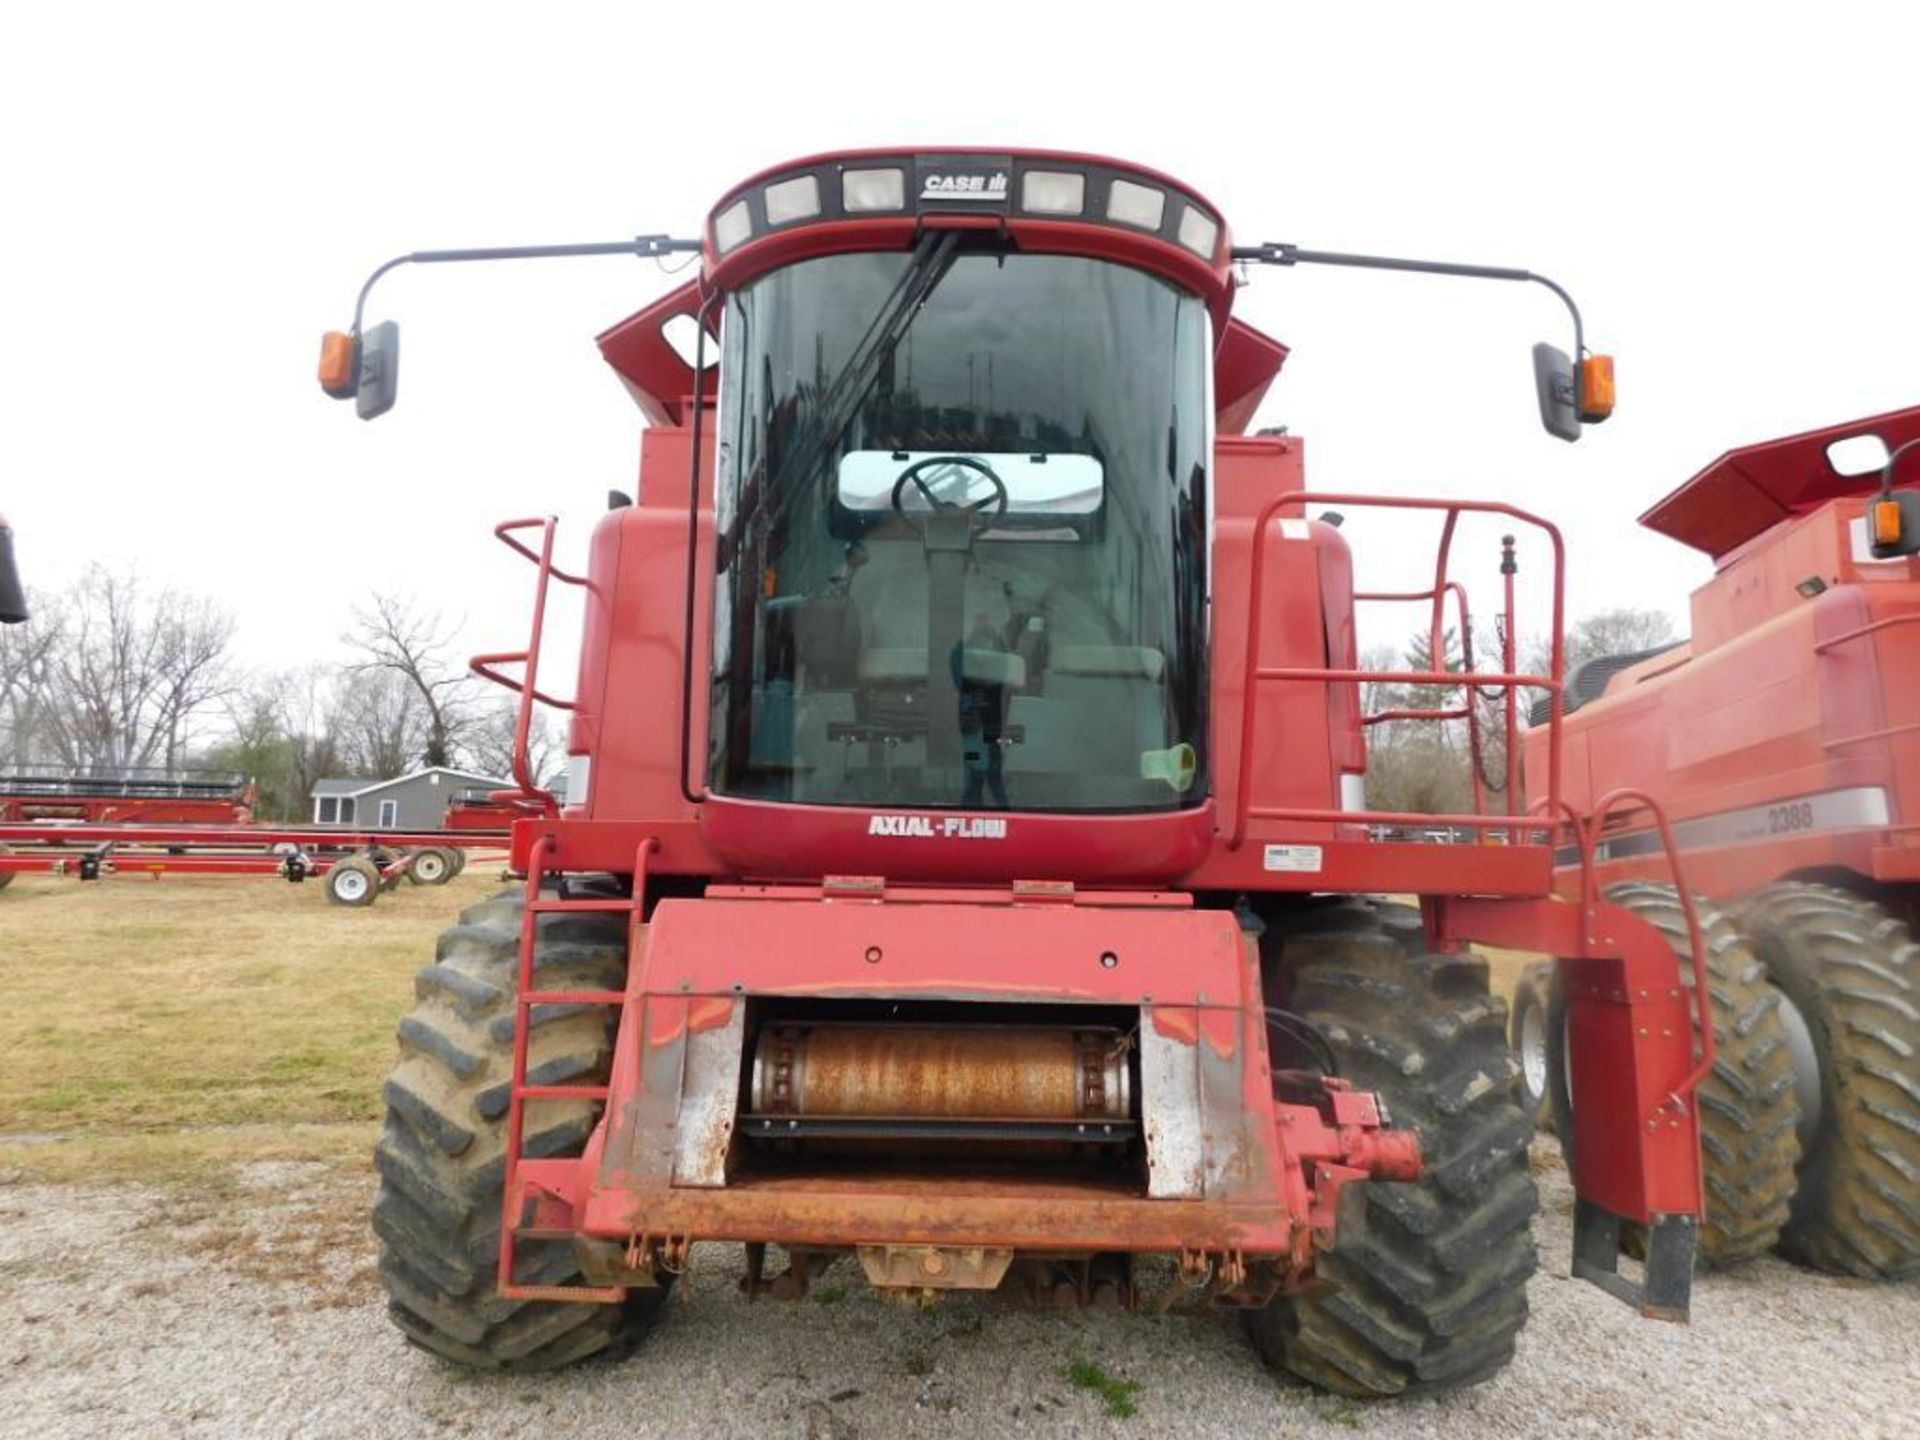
[(911, 475)]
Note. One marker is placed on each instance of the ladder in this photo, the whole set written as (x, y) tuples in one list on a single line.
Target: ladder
[(525, 998)]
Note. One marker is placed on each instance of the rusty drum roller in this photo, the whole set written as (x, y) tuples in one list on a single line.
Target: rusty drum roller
[(943, 1073)]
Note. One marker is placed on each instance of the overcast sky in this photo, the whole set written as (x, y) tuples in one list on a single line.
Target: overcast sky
[(196, 192)]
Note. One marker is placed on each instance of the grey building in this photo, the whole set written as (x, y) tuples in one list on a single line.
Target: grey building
[(407, 802)]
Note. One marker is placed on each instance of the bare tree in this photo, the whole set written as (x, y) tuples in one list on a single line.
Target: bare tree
[(489, 742), (1417, 766), (401, 640), (26, 657), (383, 725), (131, 674), (309, 703), (1620, 631)]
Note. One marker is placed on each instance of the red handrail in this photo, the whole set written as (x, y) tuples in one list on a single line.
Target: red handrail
[(527, 686), (1695, 939), (1509, 679), (1586, 834)]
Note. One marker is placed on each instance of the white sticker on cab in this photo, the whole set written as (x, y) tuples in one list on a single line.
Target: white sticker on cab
[(1303, 859)]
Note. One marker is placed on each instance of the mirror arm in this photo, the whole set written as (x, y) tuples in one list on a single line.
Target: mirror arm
[(1281, 253), (644, 246), (1893, 460)]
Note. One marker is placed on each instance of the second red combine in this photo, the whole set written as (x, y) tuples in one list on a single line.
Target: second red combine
[(1784, 739)]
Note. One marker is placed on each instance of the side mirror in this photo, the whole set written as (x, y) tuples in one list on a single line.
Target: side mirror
[(363, 368), (1571, 396), (13, 598), (1553, 386)]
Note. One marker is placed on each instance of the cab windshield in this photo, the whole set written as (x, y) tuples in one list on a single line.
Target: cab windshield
[(962, 518)]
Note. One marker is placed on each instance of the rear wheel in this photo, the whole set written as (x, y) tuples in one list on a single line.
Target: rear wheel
[(1429, 1291), (1527, 1033), (1851, 972), (442, 1153), (1749, 1111), (354, 881), (430, 867)]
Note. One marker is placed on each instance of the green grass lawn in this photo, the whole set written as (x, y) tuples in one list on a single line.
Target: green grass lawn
[(159, 1028)]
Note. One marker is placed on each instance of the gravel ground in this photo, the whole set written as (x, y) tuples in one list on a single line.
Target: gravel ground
[(132, 1312)]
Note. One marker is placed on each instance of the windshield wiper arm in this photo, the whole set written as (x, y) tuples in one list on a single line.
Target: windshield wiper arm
[(932, 258)]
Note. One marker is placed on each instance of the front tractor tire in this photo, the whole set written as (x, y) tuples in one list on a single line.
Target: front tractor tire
[(1429, 1292), (441, 1156), (1851, 971), (1749, 1111)]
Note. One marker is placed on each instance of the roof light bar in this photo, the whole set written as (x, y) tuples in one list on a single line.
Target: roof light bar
[(1053, 192), (864, 191), (1132, 204), (913, 184), (1199, 231), (732, 225), (790, 200)]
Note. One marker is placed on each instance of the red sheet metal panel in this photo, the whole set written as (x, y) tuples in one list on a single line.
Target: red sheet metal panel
[(1748, 490)]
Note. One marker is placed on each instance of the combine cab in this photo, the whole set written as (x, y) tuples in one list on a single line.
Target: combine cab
[(1784, 740), (964, 876)]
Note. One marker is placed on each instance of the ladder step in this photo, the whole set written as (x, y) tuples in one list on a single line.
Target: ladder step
[(572, 997), (560, 1092), (592, 1294)]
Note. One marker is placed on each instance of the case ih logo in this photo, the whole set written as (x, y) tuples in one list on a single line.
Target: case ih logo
[(947, 827), (947, 186)]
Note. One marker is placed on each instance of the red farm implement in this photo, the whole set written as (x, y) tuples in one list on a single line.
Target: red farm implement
[(966, 872), (126, 796), (354, 866)]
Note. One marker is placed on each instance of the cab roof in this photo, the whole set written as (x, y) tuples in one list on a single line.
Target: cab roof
[(1748, 491)]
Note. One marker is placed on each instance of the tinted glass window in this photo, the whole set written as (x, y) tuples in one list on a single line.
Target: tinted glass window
[(963, 565)]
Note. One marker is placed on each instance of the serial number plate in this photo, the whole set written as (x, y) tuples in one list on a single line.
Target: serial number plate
[(1300, 859)]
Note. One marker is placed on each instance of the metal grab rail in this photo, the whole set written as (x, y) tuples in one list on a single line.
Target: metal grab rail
[(1255, 674), (1860, 632), (1586, 831), (527, 686), (1885, 622)]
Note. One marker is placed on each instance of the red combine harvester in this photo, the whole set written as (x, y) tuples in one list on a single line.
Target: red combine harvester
[(964, 867), (1784, 740)]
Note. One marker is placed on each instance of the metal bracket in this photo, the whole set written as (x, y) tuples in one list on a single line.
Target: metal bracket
[(1666, 1289)]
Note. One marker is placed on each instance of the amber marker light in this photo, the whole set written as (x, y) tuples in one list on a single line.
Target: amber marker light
[(1884, 521), (1596, 388), (339, 365)]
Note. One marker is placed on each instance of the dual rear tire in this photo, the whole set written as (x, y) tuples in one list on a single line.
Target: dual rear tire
[(1849, 971), (1810, 1120)]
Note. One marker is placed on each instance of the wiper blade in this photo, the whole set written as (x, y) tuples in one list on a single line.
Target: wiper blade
[(932, 257)]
